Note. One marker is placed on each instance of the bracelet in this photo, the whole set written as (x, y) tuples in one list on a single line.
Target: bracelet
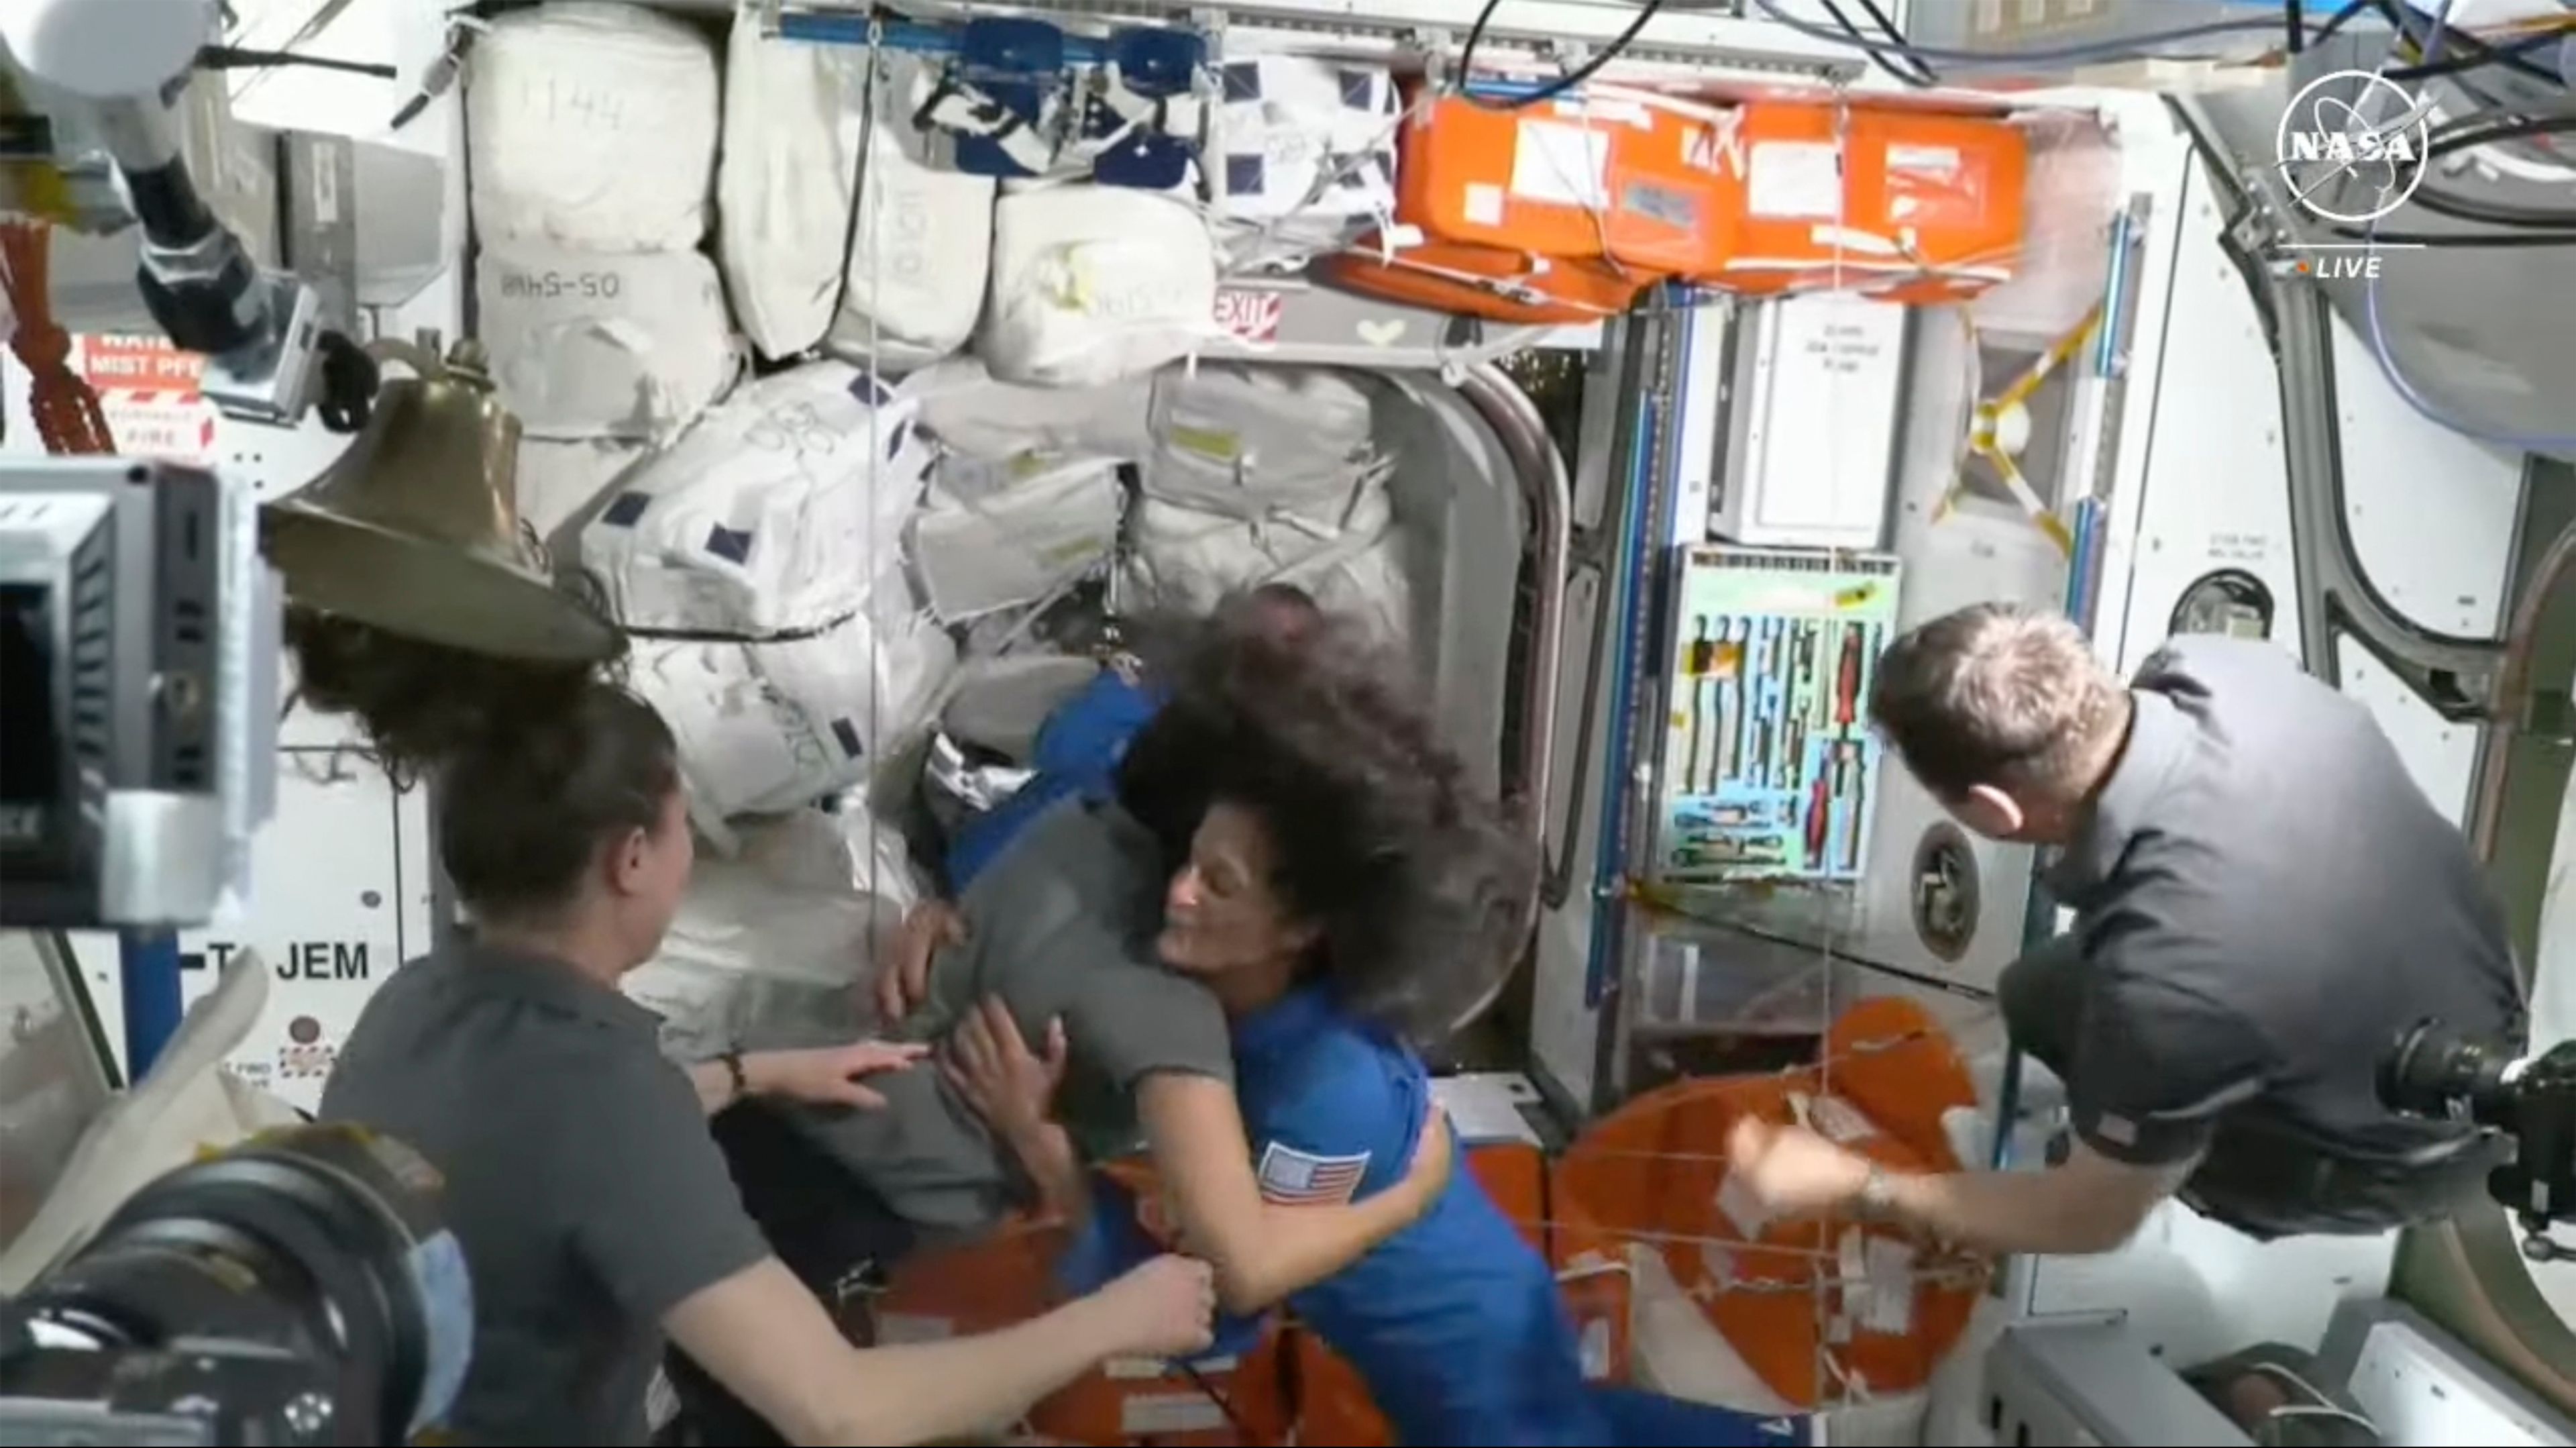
[(741, 1083)]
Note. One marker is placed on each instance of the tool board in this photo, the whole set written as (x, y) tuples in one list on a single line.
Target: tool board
[(1768, 768)]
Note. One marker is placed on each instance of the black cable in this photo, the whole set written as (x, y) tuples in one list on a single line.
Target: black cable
[(1919, 76), (1888, 28), (2336, 21), (2403, 20), (1563, 83), (2492, 213), (2483, 128), (2086, 52), (2473, 239), (2471, 60), (2480, 130), (2295, 17), (233, 57)]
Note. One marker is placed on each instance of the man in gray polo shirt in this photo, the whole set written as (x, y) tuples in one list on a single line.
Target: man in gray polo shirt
[(2264, 903)]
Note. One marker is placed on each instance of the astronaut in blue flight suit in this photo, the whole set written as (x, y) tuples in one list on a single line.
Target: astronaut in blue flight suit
[(1341, 882)]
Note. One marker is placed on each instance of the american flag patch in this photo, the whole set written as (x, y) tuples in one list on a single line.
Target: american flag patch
[(1293, 1178)]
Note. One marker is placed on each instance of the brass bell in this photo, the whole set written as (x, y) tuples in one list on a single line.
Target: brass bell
[(415, 530)]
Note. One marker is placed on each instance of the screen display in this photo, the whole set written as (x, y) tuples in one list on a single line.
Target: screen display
[(31, 752)]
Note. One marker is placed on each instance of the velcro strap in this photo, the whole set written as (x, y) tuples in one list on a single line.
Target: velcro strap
[(957, 109), (1183, 117)]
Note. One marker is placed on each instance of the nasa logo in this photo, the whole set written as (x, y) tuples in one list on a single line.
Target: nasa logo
[(2352, 146)]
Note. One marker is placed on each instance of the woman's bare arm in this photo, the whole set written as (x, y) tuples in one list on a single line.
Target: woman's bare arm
[(1263, 1251), (768, 1340)]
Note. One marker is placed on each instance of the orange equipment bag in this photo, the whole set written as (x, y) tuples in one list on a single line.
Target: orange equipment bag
[(1602, 176), (1482, 281), (1654, 1173), (1010, 1278), (1911, 206)]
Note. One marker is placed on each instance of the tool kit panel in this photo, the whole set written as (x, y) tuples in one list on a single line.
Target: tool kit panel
[(1769, 765)]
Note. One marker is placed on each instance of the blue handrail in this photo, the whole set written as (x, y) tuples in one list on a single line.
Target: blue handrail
[(147, 967)]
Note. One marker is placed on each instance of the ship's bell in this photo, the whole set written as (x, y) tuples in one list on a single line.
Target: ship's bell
[(415, 530)]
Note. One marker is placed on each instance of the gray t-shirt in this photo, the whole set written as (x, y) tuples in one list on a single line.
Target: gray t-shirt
[(1061, 926), (2265, 900), (581, 1181)]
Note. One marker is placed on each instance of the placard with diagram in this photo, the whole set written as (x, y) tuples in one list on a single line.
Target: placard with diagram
[(1769, 766)]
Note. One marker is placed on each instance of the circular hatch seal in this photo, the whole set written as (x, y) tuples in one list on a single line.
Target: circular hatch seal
[(1944, 892)]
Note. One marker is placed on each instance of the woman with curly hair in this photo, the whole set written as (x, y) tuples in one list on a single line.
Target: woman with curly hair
[(1343, 889)]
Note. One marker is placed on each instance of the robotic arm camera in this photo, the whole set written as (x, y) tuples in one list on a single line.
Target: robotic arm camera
[(2435, 1071), (122, 66)]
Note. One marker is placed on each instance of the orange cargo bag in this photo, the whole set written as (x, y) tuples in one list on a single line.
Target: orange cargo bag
[(1010, 1277), (1603, 176), (1482, 281), (1909, 205), (1233, 1402), (1814, 1308)]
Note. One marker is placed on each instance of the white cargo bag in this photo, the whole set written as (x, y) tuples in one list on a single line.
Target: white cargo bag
[(794, 116), (559, 482), (1308, 155), (783, 934), (589, 345), (1016, 545), (781, 218), (777, 512), (1246, 439), (923, 251), (1094, 283), (918, 264), (875, 681), (1001, 702), (772, 726), (992, 421), (1186, 559), (592, 126)]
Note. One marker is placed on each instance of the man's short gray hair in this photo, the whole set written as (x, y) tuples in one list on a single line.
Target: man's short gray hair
[(1993, 694)]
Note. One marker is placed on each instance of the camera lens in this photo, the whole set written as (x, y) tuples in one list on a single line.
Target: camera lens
[(315, 1247), (2440, 1072)]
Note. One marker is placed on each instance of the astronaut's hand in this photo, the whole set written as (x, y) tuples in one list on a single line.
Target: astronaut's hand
[(1792, 1171), (828, 1075), (903, 977), (988, 1061), (1164, 1309)]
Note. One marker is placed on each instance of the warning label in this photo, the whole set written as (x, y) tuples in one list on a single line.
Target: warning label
[(178, 427), (113, 362)]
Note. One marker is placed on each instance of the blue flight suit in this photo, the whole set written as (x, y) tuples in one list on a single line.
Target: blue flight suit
[(1076, 752), (1455, 1322)]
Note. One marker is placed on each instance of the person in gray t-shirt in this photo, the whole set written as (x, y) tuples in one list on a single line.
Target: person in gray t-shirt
[(1060, 929), (593, 1207)]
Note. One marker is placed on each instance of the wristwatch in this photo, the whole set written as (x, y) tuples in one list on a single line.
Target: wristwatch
[(1874, 1204), (740, 1083)]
